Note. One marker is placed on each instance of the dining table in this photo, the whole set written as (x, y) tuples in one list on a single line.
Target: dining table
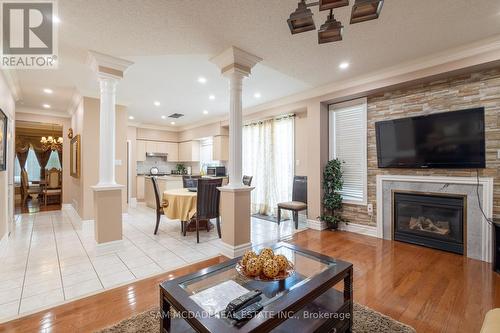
[(180, 204)]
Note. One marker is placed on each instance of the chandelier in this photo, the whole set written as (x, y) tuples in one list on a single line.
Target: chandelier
[(331, 31), (51, 143)]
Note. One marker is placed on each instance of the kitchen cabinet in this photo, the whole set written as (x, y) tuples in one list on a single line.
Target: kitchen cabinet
[(220, 148), (189, 151), (172, 149), (140, 150), (140, 187)]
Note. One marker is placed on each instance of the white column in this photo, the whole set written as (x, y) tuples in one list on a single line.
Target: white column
[(235, 129), (107, 130)]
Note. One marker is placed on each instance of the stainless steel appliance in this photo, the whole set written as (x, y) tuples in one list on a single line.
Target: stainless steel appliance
[(218, 171)]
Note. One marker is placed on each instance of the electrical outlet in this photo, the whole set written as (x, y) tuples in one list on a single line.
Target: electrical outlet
[(369, 209), (498, 154)]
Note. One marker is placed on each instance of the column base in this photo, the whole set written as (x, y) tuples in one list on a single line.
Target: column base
[(317, 225), (236, 219), (108, 213), (232, 251)]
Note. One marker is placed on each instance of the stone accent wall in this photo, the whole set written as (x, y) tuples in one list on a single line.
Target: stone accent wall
[(481, 89)]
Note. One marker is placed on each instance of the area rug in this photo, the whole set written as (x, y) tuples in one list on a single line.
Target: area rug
[(366, 320)]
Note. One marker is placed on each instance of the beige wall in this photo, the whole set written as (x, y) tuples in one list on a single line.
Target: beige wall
[(301, 134), (132, 137), (7, 105), (85, 121), (67, 184)]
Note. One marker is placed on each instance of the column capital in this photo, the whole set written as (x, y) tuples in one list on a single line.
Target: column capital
[(106, 66), (235, 61)]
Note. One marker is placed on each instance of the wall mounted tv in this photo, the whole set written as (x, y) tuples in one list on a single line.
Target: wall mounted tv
[(441, 140)]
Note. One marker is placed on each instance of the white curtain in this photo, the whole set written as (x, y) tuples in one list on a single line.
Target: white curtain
[(268, 156)]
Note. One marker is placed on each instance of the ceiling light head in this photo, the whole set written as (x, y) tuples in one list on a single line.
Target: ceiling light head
[(211, 97), (202, 80), (330, 31), (163, 117), (172, 123), (156, 103), (331, 4), (48, 91), (257, 95), (344, 65), (301, 20), (131, 117), (365, 10), (46, 106), (205, 111)]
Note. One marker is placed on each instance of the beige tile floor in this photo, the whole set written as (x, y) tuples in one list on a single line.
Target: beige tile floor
[(51, 257)]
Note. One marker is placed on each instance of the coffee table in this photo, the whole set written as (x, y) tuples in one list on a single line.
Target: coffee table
[(307, 301)]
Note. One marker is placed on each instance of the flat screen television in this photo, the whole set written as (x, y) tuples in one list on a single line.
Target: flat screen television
[(441, 140)]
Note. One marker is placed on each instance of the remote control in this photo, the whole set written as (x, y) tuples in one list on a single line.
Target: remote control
[(248, 312), (242, 301)]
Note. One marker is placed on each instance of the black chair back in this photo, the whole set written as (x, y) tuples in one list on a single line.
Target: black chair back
[(299, 189), (208, 198), (247, 180), (190, 181), (157, 193)]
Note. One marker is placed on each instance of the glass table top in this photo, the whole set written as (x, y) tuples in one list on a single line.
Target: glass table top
[(214, 290)]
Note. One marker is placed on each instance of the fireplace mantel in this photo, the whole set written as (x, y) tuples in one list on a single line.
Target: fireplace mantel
[(484, 253)]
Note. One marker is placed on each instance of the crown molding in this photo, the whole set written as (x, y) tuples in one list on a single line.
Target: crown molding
[(12, 80), (40, 112)]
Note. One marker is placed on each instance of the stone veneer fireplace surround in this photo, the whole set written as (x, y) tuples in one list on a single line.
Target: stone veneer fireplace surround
[(478, 230)]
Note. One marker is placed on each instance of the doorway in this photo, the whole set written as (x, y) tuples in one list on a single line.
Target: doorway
[(38, 167)]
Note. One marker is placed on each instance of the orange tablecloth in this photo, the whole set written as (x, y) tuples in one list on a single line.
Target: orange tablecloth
[(179, 204)]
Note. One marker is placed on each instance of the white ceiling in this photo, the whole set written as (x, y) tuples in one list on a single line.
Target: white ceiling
[(172, 41)]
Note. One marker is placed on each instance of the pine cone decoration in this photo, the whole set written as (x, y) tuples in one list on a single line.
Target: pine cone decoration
[(253, 266), (247, 256), (282, 262), (271, 268)]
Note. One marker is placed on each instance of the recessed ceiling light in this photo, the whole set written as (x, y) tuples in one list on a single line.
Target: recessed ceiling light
[(257, 95), (202, 80), (344, 65), (131, 117), (46, 106), (48, 91), (156, 103), (163, 117), (205, 111), (211, 97), (172, 123)]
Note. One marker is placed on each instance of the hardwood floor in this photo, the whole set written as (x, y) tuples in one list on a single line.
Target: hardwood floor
[(432, 291)]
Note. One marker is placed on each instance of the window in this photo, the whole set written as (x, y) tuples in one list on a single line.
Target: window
[(348, 143), (206, 150), (32, 167), (53, 161)]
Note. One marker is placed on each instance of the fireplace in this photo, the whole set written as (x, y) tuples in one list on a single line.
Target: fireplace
[(432, 220)]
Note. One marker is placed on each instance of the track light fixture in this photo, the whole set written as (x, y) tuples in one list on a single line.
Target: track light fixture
[(301, 20)]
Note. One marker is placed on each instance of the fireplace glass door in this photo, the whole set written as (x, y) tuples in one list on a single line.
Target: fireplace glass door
[(430, 220)]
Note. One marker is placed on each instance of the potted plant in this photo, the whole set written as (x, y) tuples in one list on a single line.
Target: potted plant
[(332, 199)]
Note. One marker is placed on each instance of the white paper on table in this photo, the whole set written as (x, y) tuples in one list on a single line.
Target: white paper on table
[(215, 299)]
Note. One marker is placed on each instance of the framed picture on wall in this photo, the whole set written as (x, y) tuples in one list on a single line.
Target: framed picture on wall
[(3, 141), (75, 157)]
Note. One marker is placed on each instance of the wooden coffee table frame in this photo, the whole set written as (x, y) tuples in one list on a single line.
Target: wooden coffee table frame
[(317, 294)]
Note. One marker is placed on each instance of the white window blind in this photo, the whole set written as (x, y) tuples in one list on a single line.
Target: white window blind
[(348, 144)]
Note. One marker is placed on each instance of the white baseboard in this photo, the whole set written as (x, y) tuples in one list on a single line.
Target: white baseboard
[(359, 229), (317, 225), (67, 206), (234, 251)]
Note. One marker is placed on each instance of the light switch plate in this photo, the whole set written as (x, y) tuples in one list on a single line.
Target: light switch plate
[(369, 209), (498, 154)]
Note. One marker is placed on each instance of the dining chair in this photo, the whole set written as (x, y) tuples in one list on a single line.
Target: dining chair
[(247, 180), (207, 204), (299, 200), (190, 181), (26, 189), (159, 206), (52, 185)]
